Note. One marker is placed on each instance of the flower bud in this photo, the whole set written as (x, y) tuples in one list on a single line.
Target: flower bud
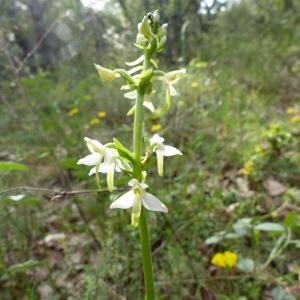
[(155, 19), (144, 28), (105, 74), (162, 31), (140, 40), (162, 43)]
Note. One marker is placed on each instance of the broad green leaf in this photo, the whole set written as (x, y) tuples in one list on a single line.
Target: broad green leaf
[(215, 239), (12, 166), (246, 265), (242, 226), (269, 226), (279, 293)]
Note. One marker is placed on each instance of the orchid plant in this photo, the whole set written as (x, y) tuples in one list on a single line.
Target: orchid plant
[(115, 157)]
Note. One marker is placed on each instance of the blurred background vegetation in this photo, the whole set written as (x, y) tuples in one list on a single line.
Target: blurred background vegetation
[(237, 121)]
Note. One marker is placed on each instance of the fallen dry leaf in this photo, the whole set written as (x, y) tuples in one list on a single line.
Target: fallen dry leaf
[(273, 187)]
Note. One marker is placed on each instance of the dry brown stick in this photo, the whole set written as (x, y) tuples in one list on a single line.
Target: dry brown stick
[(59, 192)]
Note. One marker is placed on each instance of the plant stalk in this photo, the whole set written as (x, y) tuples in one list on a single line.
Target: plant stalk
[(144, 234)]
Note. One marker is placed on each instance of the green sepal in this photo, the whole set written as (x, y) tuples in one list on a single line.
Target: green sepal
[(128, 79), (139, 46), (124, 152), (154, 63)]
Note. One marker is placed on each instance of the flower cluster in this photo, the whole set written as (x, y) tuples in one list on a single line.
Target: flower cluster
[(138, 86), (226, 260)]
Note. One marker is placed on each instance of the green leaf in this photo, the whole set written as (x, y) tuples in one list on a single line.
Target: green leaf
[(23, 267), (215, 239), (279, 293), (245, 265), (123, 151), (269, 226), (12, 166), (242, 226)]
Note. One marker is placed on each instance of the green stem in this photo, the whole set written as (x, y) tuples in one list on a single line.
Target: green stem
[(144, 234), (147, 257)]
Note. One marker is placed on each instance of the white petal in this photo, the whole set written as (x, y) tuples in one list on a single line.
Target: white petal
[(135, 62), (92, 171), (90, 160), (131, 95), (156, 139), (125, 201), (111, 155), (170, 76), (172, 90), (152, 203), (148, 104), (134, 70), (94, 145), (170, 151), (133, 182), (104, 167), (125, 87), (17, 197), (144, 186)]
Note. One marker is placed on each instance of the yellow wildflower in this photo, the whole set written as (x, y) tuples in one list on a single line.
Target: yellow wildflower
[(259, 150), (194, 84), (102, 114), (218, 260), (94, 121), (230, 259), (72, 112), (295, 119), (248, 168), (224, 260), (156, 127), (291, 111)]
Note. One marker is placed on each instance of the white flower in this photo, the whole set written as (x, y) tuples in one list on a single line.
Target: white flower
[(137, 197), (147, 102), (109, 156), (157, 142), (171, 78)]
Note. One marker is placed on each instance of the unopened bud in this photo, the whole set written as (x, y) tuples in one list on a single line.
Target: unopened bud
[(162, 31), (105, 74), (155, 19), (140, 40), (144, 28)]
